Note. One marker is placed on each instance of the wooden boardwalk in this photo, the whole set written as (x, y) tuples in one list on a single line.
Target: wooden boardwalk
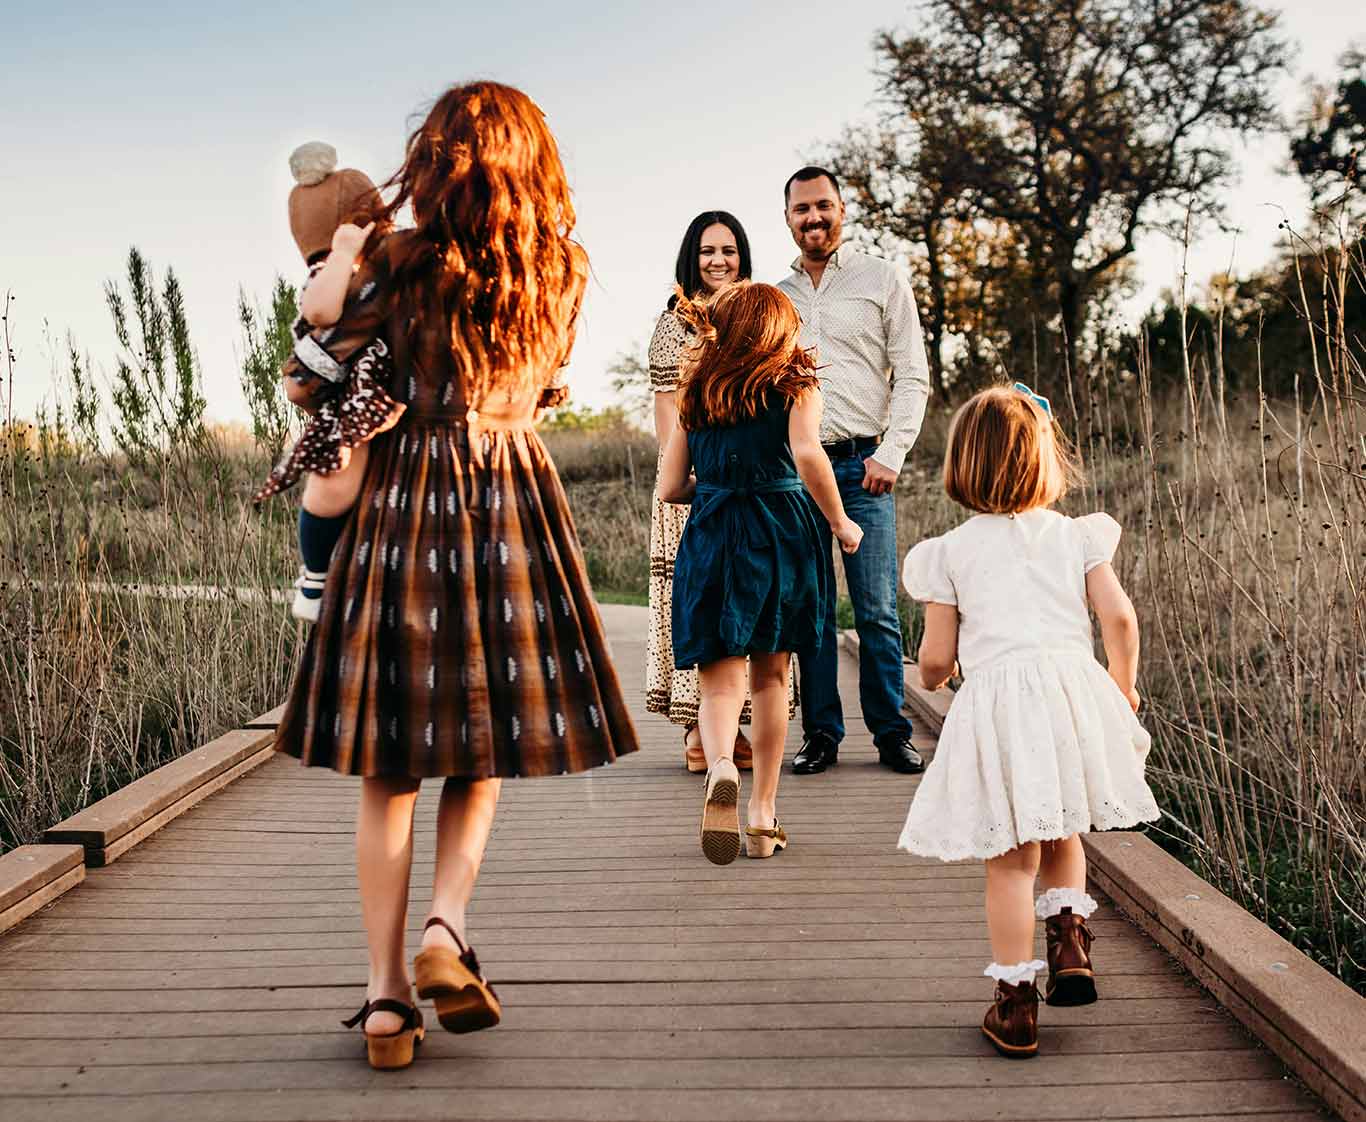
[(203, 975)]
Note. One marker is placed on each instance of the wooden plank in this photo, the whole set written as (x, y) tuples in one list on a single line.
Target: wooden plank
[(28, 869), (205, 974), (270, 720), (512, 1043), (277, 967), (732, 1017), (566, 948), (570, 1104), (1305, 1015), (35, 901), (704, 990), (487, 935), (613, 1073), (512, 886), (112, 825)]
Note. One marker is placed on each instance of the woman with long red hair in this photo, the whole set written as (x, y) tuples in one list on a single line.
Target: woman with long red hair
[(750, 579), (458, 637)]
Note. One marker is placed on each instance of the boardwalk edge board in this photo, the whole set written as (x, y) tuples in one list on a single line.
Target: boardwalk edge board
[(1307, 1017), (109, 828), (34, 875)]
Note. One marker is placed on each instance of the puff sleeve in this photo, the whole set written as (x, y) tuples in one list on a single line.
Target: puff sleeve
[(1099, 539), (666, 350), (926, 573)]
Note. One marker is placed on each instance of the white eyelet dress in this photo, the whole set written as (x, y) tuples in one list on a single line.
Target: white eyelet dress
[(1039, 742)]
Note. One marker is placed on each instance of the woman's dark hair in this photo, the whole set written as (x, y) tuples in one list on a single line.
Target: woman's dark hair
[(687, 272)]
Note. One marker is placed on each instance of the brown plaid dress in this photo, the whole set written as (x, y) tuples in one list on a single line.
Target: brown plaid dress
[(458, 634)]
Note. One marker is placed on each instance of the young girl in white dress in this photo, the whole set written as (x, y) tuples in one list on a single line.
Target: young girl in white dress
[(1041, 743)]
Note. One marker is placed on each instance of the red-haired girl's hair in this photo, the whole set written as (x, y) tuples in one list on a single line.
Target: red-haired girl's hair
[(491, 251), (745, 352)]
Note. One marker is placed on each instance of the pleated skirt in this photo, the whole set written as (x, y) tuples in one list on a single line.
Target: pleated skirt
[(458, 635)]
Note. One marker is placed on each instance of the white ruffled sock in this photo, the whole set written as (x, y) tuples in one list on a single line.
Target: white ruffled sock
[(1053, 901), (1014, 975)]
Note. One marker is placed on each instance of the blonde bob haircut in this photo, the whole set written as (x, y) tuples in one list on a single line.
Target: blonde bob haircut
[(1006, 455)]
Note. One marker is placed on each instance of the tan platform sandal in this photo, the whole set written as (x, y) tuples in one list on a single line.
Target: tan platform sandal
[(465, 1002), (391, 1050), (744, 752), (721, 814), (765, 843), (694, 759)]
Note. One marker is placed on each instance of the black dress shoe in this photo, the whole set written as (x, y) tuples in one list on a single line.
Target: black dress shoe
[(819, 751), (901, 757)]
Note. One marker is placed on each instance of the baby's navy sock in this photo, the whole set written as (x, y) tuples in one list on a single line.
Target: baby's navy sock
[(317, 536)]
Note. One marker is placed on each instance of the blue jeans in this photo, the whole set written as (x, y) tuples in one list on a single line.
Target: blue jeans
[(871, 573)]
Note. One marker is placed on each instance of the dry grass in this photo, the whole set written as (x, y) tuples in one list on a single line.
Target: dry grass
[(1245, 553), (102, 675)]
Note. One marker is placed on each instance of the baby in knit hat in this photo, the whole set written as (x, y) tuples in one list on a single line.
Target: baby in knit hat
[(339, 378)]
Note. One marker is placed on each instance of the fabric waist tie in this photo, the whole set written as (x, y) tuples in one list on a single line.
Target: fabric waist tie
[(718, 491)]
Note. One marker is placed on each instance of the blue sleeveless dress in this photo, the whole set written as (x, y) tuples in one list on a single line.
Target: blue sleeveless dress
[(751, 575)]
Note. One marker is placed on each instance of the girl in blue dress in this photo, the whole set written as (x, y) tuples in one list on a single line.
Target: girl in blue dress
[(751, 578)]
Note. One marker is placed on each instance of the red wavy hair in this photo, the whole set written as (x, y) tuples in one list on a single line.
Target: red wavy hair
[(491, 249), (745, 351)]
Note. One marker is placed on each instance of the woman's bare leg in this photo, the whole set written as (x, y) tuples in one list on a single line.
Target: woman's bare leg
[(384, 857), (463, 823)]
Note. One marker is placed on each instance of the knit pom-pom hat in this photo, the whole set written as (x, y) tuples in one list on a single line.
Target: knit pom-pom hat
[(324, 197)]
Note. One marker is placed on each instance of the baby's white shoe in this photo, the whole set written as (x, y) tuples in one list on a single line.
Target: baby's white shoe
[(306, 606)]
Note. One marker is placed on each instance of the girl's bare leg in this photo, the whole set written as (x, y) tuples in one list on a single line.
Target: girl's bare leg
[(1010, 904), (463, 823), (332, 495), (384, 857), (768, 675), (721, 685), (1062, 864)]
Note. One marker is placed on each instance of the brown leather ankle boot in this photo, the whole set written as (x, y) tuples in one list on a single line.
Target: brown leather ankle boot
[(1012, 1022), (1071, 981)]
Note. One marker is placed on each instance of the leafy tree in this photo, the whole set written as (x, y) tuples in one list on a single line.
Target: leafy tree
[(1077, 123), (267, 341), (157, 383), (1329, 151)]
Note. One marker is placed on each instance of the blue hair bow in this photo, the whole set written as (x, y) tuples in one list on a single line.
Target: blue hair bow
[(1038, 399)]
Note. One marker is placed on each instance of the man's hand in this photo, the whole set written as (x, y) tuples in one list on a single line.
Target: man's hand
[(877, 480)]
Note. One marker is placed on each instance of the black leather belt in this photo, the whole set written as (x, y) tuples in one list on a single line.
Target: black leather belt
[(852, 446)]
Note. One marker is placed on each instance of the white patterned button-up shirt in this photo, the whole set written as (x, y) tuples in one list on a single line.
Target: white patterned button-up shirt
[(865, 330)]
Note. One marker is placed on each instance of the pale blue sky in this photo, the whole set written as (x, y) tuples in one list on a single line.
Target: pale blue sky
[(168, 126)]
